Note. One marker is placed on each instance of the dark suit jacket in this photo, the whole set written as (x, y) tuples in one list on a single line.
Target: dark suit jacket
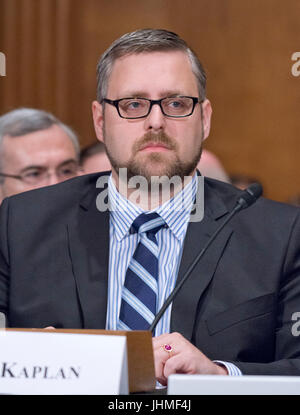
[(236, 306)]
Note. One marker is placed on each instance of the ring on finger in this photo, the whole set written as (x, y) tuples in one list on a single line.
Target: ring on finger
[(168, 348)]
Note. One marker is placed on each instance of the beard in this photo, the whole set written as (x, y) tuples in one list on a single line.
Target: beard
[(156, 164)]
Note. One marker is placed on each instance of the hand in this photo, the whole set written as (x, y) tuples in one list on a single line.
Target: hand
[(184, 358)]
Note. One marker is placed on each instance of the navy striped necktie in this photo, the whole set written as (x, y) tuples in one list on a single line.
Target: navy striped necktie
[(139, 293)]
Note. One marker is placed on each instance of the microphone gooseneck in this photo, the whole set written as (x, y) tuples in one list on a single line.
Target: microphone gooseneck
[(246, 199)]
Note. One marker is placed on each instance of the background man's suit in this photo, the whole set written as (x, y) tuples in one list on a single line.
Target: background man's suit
[(236, 306)]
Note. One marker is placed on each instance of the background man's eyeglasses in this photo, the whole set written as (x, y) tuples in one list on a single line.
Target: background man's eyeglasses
[(38, 175), (133, 108)]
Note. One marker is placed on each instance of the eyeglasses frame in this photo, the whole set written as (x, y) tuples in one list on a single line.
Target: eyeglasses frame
[(115, 103), (18, 177), (12, 176)]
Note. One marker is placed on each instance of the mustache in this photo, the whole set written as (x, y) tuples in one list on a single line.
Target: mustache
[(159, 138)]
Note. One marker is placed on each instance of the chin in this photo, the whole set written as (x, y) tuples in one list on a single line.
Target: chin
[(157, 164), (150, 170)]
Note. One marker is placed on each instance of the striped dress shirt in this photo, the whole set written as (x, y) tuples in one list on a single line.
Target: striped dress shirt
[(176, 214)]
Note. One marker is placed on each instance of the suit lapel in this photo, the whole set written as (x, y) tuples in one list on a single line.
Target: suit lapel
[(198, 233), (88, 233)]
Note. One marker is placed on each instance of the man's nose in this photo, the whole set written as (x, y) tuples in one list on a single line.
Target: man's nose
[(53, 178), (156, 120)]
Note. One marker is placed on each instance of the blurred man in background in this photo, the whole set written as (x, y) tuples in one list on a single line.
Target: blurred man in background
[(93, 158), (242, 181), (36, 149), (210, 166)]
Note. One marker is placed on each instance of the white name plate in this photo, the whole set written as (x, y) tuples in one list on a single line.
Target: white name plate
[(37, 363), (233, 385)]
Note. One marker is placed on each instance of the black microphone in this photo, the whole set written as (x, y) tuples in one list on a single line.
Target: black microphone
[(246, 199), (249, 196)]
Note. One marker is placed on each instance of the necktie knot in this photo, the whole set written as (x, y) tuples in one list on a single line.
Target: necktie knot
[(148, 222)]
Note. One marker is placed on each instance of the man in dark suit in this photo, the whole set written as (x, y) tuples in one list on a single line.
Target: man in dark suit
[(67, 254)]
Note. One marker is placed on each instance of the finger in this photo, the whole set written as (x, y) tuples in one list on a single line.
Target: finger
[(166, 346), (159, 374), (175, 364), (160, 350), (160, 357), (160, 340), (167, 342)]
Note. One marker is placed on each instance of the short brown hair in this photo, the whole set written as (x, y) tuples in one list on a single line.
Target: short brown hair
[(143, 41)]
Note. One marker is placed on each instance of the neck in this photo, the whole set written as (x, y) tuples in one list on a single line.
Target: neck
[(149, 195)]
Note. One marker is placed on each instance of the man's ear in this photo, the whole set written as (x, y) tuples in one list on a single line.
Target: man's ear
[(206, 119), (97, 110)]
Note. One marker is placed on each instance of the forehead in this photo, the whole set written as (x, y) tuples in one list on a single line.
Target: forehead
[(152, 73), (38, 147)]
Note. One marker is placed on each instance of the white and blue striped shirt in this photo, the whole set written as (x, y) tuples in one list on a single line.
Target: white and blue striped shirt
[(176, 214), (123, 244)]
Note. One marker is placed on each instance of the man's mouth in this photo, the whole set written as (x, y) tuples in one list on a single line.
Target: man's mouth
[(154, 147)]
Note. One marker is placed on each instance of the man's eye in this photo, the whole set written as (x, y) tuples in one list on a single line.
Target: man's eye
[(68, 172), (33, 173), (131, 105), (134, 104), (176, 104)]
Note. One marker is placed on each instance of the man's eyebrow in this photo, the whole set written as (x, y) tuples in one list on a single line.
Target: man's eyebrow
[(143, 94), (172, 93), (134, 94), (33, 166)]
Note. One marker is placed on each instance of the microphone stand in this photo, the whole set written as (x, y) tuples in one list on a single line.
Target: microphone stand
[(248, 197)]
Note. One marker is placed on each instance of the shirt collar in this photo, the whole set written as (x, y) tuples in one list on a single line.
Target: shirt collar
[(175, 212)]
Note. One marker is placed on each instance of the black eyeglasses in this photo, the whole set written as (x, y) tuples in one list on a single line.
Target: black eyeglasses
[(133, 108), (38, 175)]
